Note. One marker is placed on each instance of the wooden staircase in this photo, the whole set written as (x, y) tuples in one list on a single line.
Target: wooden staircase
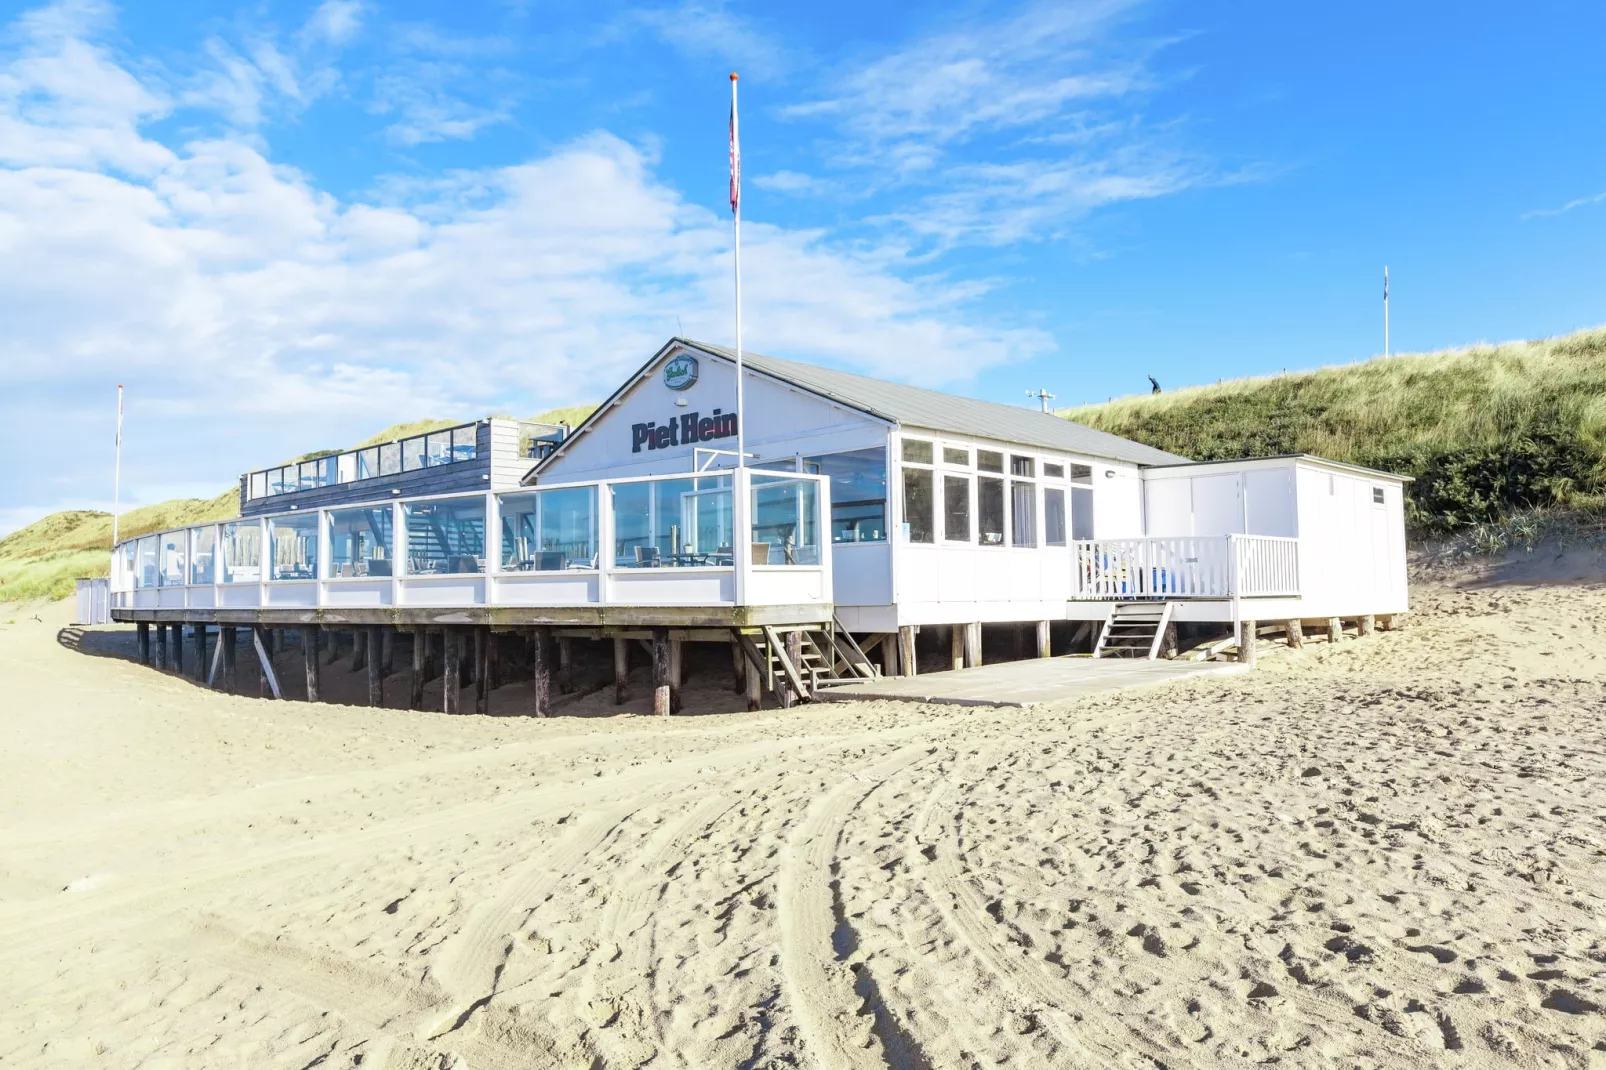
[(796, 662), (1134, 629)]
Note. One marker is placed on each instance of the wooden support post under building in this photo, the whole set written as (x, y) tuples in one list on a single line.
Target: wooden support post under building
[(217, 658), (451, 663), (1335, 629), (262, 639), (739, 667), (230, 638), (753, 684), (1385, 622), (889, 655), (493, 660), (161, 647), (1043, 636), (972, 644), (661, 690), (376, 668), (1247, 633), (359, 649), (482, 694), (794, 654), (1295, 631), (956, 646), (565, 673), (540, 672), (677, 672), (144, 631), (200, 652), (908, 664), (309, 658), (1364, 624), (415, 691), (176, 648), (621, 671)]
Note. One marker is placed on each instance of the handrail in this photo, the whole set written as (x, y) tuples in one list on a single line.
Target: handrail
[(1176, 567)]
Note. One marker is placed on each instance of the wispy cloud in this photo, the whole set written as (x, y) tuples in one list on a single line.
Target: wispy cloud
[(709, 29), (1579, 202)]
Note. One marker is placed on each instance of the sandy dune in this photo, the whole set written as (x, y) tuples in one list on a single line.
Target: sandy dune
[(1388, 852)]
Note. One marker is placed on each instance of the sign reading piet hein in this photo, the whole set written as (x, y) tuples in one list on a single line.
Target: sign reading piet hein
[(686, 428)]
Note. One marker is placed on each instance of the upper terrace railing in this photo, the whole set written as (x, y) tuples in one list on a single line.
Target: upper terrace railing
[(1219, 566), (739, 537)]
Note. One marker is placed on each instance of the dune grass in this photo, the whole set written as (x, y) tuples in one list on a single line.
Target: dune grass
[(1487, 431)]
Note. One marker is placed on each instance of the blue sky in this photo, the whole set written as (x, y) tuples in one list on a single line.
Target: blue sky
[(285, 225)]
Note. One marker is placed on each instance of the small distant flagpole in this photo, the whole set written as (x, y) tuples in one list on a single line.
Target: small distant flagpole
[(736, 210), (117, 468), (1385, 310)]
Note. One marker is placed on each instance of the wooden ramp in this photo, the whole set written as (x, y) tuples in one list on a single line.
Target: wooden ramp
[(1027, 683)]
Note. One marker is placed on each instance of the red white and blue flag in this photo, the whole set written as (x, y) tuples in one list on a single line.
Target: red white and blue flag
[(736, 156)]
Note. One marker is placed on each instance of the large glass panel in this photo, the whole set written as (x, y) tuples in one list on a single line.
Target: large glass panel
[(145, 574), (203, 547), (958, 457), (785, 531), (1023, 513), (175, 552), (1081, 512), (1053, 516), (956, 509), (368, 463), (438, 449), (294, 540), (550, 530), (361, 542), (446, 536), (284, 480), (858, 493), (259, 484), (989, 461), (318, 473), (917, 451), (682, 523), (346, 468), (917, 504), (390, 458), (130, 551), (990, 510), (465, 442), (412, 454), (242, 552)]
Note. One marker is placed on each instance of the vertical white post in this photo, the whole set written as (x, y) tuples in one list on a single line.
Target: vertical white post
[(117, 466), (736, 209), (1232, 579), (398, 554), (605, 543), (493, 545)]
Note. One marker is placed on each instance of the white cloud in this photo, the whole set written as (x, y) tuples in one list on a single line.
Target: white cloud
[(708, 29), (793, 182), (255, 316), (334, 22), (1577, 202)]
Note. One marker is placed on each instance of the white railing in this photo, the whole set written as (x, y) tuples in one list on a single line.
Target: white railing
[(1219, 566), (730, 537)]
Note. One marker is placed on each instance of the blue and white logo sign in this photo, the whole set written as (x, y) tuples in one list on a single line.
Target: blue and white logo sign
[(680, 373)]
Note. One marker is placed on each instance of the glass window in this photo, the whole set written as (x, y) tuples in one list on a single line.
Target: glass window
[(175, 547), (917, 504), (956, 509), (916, 451), (242, 552), (672, 523), (785, 528), (318, 473), (294, 540), (203, 547), (990, 510), (283, 480), (858, 493), (145, 574), (368, 463), (130, 551), (1053, 516), (1022, 466), (1081, 512), (346, 468), (412, 454), (361, 542), (1023, 513), (959, 457), (390, 458), (550, 530), (988, 461), (445, 537), (1377, 496), (1081, 473), (438, 449), (259, 484), (465, 442), (1053, 471)]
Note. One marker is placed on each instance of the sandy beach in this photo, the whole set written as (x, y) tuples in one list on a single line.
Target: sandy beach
[(1388, 852)]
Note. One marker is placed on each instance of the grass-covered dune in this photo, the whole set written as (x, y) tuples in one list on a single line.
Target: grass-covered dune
[(43, 559), (1487, 431)]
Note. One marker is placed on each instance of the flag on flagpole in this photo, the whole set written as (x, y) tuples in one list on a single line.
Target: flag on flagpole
[(736, 156)]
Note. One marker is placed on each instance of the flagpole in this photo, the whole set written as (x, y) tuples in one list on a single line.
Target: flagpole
[(1385, 310), (736, 208), (117, 468)]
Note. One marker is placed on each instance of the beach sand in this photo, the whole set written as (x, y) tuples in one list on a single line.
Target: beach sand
[(1386, 852)]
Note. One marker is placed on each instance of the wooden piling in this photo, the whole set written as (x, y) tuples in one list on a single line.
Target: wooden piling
[(230, 639), (451, 662), (540, 672), (1385, 622), (972, 644), (262, 639), (176, 648), (753, 684), (739, 667), (1364, 624), (1335, 629), (1248, 631), (376, 667), (565, 674), (956, 646), (907, 662), (161, 647), (415, 692), (359, 649), (200, 652), (144, 631), (621, 671), (661, 689), (889, 655), (677, 671), (387, 651), (1043, 642), (309, 658), (1295, 630), (482, 694)]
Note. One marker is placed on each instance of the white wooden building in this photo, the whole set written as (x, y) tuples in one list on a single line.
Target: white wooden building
[(869, 511)]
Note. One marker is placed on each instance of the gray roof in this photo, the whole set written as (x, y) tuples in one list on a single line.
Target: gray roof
[(914, 406)]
